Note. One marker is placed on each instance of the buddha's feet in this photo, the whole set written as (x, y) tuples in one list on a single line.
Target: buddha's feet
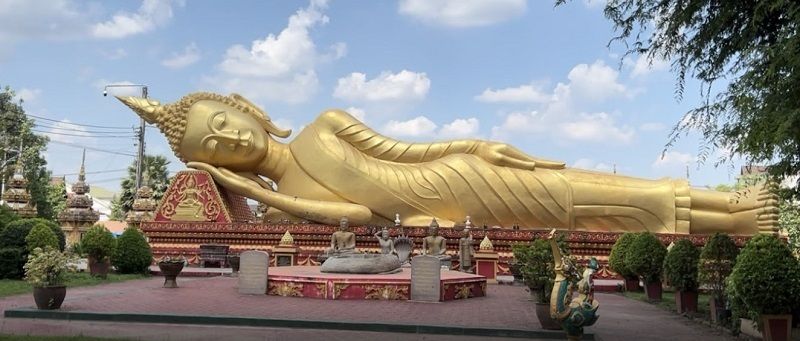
[(758, 205)]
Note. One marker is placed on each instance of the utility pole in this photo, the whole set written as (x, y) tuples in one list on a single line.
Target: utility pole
[(140, 134)]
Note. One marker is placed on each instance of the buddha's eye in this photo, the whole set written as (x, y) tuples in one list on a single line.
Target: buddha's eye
[(211, 146), (217, 120)]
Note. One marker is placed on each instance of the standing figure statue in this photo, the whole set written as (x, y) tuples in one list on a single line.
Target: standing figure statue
[(465, 251), (436, 245), (342, 241), (573, 313), (386, 243), (338, 166)]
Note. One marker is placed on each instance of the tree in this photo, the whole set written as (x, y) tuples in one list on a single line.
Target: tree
[(15, 130), (155, 175), (751, 44)]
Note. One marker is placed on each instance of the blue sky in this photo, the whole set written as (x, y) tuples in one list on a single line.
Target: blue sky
[(522, 72)]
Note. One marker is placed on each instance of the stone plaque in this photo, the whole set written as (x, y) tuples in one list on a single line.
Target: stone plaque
[(283, 260), (253, 267), (425, 278)]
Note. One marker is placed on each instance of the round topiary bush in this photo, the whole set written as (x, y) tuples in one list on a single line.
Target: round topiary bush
[(765, 279), (98, 243), (11, 263), (133, 254), (41, 236), (645, 257), (617, 258), (716, 263), (680, 265)]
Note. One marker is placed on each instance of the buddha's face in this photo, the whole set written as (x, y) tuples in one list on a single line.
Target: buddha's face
[(433, 231), (385, 234), (220, 135), (343, 224)]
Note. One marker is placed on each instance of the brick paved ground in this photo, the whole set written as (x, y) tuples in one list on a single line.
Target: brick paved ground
[(505, 307)]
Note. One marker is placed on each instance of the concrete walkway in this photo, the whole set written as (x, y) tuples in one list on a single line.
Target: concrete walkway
[(505, 307)]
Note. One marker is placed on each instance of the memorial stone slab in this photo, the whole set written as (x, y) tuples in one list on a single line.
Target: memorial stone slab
[(253, 269), (425, 278)]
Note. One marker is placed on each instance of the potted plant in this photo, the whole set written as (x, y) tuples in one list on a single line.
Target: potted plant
[(99, 244), (536, 266), (715, 265), (645, 257), (764, 286), (171, 268), (616, 260), (680, 269), (45, 271)]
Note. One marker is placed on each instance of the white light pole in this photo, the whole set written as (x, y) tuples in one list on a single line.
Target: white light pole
[(140, 152)]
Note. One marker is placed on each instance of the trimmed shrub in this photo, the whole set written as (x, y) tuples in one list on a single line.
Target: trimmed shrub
[(98, 243), (133, 254), (536, 265), (716, 263), (11, 263), (765, 279), (680, 265), (6, 216), (15, 232), (645, 257), (617, 258), (41, 236)]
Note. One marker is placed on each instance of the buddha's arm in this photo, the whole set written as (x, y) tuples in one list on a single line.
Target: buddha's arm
[(425, 246), (368, 141), (326, 212)]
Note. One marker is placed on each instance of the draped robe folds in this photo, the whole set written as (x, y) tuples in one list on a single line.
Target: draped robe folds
[(450, 187)]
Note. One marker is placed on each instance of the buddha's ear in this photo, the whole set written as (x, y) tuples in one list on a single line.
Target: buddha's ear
[(265, 120)]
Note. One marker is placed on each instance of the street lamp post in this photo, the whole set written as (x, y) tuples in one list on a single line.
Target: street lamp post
[(140, 152)]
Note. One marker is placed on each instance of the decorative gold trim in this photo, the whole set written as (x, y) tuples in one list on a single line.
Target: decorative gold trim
[(386, 292), (338, 288), (286, 289), (322, 289), (463, 291)]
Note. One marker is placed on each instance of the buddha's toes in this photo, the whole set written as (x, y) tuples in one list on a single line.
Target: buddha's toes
[(758, 204)]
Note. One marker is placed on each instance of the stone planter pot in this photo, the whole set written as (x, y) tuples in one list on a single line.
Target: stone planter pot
[(543, 315), (170, 270), (233, 261), (686, 302), (99, 269), (718, 311), (49, 298), (777, 327), (654, 291), (632, 284)]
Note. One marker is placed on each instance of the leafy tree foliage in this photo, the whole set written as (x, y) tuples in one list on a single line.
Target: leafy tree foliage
[(752, 45), (716, 263), (680, 265), (41, 236), (617, 258), (98, 243), (645, 256), (133, 254), (15, 129), (155, 175)]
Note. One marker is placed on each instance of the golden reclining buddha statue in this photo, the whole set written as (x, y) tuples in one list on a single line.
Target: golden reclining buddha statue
[(337, 166)]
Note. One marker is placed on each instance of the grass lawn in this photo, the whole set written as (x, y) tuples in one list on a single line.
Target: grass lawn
[(10, 287), (668, 302), (51, 338)]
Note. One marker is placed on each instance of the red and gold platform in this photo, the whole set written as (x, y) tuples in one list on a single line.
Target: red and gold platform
[(308, 281)]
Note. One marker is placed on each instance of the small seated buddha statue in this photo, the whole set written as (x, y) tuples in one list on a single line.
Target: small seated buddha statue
[(342, 241), (386, 243), (436, 245)]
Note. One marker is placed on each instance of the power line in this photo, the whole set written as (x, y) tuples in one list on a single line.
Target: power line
[(84, 135), (78, 124), (95, 172), (78, 130), (93, 148)]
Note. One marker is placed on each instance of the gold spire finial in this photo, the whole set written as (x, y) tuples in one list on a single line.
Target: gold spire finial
[(287, 239), (82, 171), (486, 244)]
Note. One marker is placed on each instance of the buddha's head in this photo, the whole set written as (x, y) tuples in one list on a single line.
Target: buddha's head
[(433, 228), (344, 224), (226, 131), (385, 233)]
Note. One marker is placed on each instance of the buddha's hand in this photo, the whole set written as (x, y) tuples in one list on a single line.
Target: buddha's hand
[(501, 154), (551, 235), (229, 179)]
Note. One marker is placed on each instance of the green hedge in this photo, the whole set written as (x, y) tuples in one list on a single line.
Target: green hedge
[(617, 258), (765, 279), (716, 263), (41, 236), (13, 236), (680, 265), (11, 263), (645, 257), (133, 254), (98, 243)]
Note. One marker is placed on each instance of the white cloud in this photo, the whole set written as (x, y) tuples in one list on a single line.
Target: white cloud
[(596, 82), (415, 127), (357, 113), (404, 86), (586, 163), (643, 66), (673, 159), (189, 56), (460, 128), (463, 13), (51, 20), (115, 54), (279, 67), (63, 131), (652, 126), (520, 94), (27, 95), (596, 127), (150, 15)]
